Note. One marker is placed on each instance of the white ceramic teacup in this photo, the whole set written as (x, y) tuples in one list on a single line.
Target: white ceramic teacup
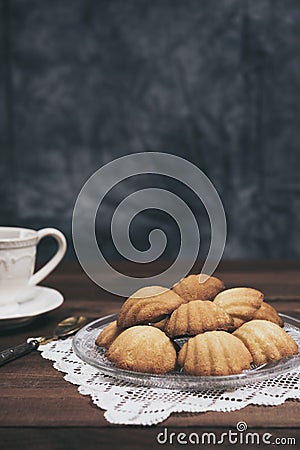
[(17, 260)]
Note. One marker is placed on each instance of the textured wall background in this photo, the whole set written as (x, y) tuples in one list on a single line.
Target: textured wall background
[(218, 82)]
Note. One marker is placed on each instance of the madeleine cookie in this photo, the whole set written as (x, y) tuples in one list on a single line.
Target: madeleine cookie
[(196, 317), (267, 312), (193, 288), (148, 305), (214, 353), (143, 349), (161, 324), (108, 335), (240, 303), (266, 341)]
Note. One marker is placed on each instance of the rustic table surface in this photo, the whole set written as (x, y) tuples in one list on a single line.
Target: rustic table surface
[(39, 409)]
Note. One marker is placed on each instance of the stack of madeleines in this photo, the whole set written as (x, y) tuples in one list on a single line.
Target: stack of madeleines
[(226, 330)]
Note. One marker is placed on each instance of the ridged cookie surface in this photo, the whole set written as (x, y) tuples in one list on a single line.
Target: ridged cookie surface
[(267, 312), (214, 353), (266, 341), (240, 303), (143, 349), (149, 304), (161, 324), (196, 317), (191, 288), (108, 335)]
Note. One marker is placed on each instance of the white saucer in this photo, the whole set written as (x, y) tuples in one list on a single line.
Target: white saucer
[(34, 302)]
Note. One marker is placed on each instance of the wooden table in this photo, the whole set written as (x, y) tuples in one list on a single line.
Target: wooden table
[(39, 409)]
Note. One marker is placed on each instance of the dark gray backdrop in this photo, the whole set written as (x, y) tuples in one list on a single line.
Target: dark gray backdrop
[(217, 82)]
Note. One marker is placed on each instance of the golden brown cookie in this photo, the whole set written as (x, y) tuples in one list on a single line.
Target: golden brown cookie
[(108, 335), (214, 353), (241, 303), (266, 341), (149, 304), (161, 324), (143, 349), (191, 288), (267, 312), (196, 317)]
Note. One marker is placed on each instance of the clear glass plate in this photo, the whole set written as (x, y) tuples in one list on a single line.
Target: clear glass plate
[(85, 348)]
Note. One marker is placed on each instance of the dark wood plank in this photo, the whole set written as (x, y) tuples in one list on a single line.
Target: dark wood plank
[(133, 438)]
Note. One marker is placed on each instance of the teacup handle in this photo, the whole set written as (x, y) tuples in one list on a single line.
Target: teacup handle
[(55, 260)]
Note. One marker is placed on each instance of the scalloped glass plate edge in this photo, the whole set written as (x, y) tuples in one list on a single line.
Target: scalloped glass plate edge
[(84, 347)]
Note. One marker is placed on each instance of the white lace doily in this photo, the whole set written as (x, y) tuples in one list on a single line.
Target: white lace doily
[(127, 404)]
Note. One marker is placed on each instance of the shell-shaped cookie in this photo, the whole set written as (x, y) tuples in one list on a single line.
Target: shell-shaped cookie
[(193, 288), (143, 349), (214, 353), (161, 324), (266, 341), (147, 305), (108, 335), (267, 312), (196, 317), (241, 303)]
